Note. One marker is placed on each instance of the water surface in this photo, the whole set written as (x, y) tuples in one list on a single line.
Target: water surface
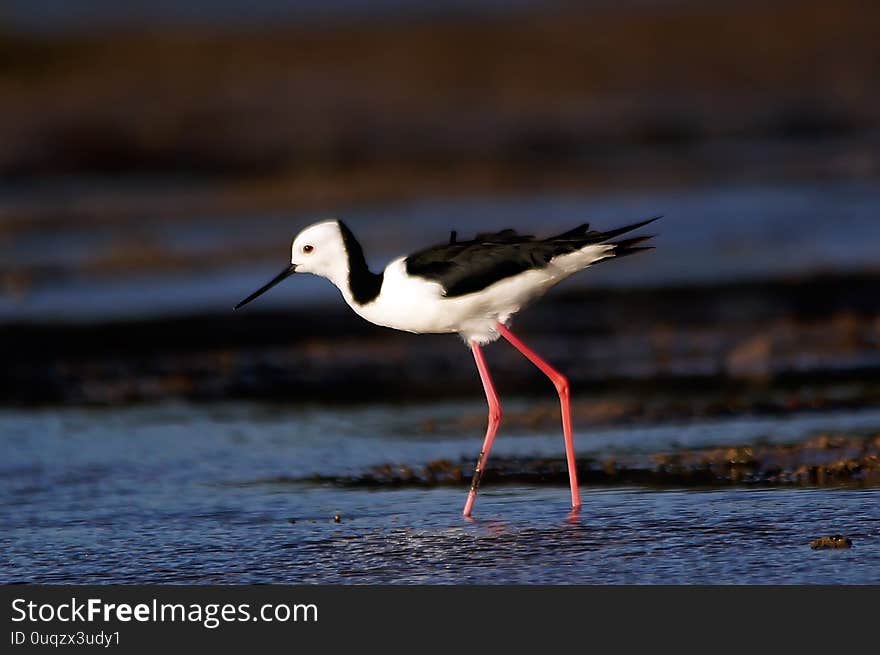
[(199, 494)]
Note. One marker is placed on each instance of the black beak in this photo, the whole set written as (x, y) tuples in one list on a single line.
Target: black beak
[(287, 272)]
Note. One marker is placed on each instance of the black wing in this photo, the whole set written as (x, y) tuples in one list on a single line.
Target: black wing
[(463, 267)]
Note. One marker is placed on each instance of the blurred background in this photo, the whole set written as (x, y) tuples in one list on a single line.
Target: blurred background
[(157, 157)]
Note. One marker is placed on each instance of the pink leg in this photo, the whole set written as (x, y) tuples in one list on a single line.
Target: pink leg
[(494, 422), (561, 384)]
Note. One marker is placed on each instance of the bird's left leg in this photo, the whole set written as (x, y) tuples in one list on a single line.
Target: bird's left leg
[(494, 422), (561, 384)]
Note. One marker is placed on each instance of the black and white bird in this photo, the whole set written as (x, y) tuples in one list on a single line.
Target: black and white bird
[(472, 288)]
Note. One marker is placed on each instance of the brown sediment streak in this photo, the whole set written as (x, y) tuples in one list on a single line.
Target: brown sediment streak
[(843, 460), (478, 473)]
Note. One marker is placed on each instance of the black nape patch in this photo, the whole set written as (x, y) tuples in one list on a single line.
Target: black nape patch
[(363, 283)]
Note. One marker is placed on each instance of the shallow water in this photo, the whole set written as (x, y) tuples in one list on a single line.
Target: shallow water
[(180, 493)]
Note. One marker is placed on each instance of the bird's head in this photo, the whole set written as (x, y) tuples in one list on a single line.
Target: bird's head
[(318, 249)]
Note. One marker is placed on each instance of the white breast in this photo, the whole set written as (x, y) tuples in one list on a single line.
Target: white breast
[(406, 303)]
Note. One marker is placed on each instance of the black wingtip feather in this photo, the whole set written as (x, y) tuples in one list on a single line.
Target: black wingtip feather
[(631, 251), (610, 234), (631, 246), (580, 231)]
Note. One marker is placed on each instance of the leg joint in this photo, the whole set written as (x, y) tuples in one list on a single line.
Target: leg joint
[(561, 384)]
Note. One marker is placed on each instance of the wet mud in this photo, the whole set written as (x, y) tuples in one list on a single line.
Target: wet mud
[(826, 460), (809, 342), (831, 542)]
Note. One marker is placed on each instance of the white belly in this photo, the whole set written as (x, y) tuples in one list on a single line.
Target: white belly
[(415, 304)]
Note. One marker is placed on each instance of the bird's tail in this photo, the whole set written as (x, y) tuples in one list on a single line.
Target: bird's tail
[(587, 247), (582, 237), (584, 234), (610, 234), (629, 246)]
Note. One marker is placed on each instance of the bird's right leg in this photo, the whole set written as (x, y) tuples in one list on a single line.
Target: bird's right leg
[(561, 384), (494, 422)]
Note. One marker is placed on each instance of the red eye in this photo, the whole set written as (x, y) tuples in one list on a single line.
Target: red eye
[(308, 249)]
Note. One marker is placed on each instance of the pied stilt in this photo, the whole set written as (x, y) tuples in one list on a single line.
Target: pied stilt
[(471, 287)]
